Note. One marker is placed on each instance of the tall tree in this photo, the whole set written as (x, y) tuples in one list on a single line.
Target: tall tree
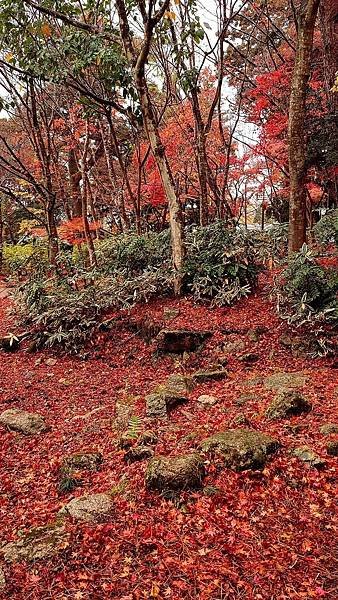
[(305, 17)]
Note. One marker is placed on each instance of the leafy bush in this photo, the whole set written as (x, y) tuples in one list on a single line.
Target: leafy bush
[(326, 230), (220, 264), (307, 292), (18, 259), (66, 308), (130, 254), (60, 315), (270, 243)]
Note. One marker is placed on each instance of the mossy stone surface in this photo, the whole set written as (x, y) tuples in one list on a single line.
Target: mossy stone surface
[(175, 473), (241, 449)]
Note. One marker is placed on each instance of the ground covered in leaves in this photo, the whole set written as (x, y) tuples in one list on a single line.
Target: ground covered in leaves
[(265, 534)]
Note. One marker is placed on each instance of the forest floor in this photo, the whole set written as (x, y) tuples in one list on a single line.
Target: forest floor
[(268, 534)]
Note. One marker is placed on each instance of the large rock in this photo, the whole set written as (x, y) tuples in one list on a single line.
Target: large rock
[(23, 421), (287, 404), (285, 380), (175, 473), (167, 396), (241, 448), (89, 508), (178, 341), (38, 543)]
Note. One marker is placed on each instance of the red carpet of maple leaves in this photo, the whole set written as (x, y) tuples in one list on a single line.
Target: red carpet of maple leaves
[(263, 535)]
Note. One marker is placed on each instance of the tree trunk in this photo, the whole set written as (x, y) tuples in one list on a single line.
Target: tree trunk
[(1, 236), (158, 150), (306, 20), (52, 234)]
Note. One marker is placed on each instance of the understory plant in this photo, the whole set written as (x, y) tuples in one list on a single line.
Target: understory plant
[(308, 291), (65, 305), (326, 230)]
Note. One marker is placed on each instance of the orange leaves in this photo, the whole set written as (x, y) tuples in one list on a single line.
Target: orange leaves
[(46, 30)]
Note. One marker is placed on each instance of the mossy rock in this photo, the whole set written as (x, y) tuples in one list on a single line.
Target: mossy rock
[(309, 457), (90, 461), (175, 473), (137, 453), (288, 403), (167, 396), (89, 508), (23, 421), (215, 374), (329, 428), (285, 380), (241, 449), (332, 448), (38, 543)]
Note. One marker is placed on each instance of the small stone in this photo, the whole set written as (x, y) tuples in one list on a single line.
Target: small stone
[(156, 406), (244, 399), (51, 362), (175, 473), (207, 400), (89, 508), (241, 419), (332, 448), (2, 578), (167, 396), (148, 438), (38, 543), (23, 421), (180, 340), (90, 461), (329, 428), (249, 358), (306, 455), (136, 453), (241, 449), (287, 404), (210, 375), (233, 347), (169, 314)]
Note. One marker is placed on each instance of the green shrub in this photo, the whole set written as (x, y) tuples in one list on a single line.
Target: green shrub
[(18, 259), (220, 267), (220, 264), (59, 315), (326, 230), (130, 254), (307, 292)]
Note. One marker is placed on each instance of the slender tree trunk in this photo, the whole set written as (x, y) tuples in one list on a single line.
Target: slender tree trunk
[(158, 150), (75, 178), (306, 20), (1, 236), (52, 234)]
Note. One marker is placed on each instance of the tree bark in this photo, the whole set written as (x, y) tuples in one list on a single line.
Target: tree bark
[(306, 19)]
